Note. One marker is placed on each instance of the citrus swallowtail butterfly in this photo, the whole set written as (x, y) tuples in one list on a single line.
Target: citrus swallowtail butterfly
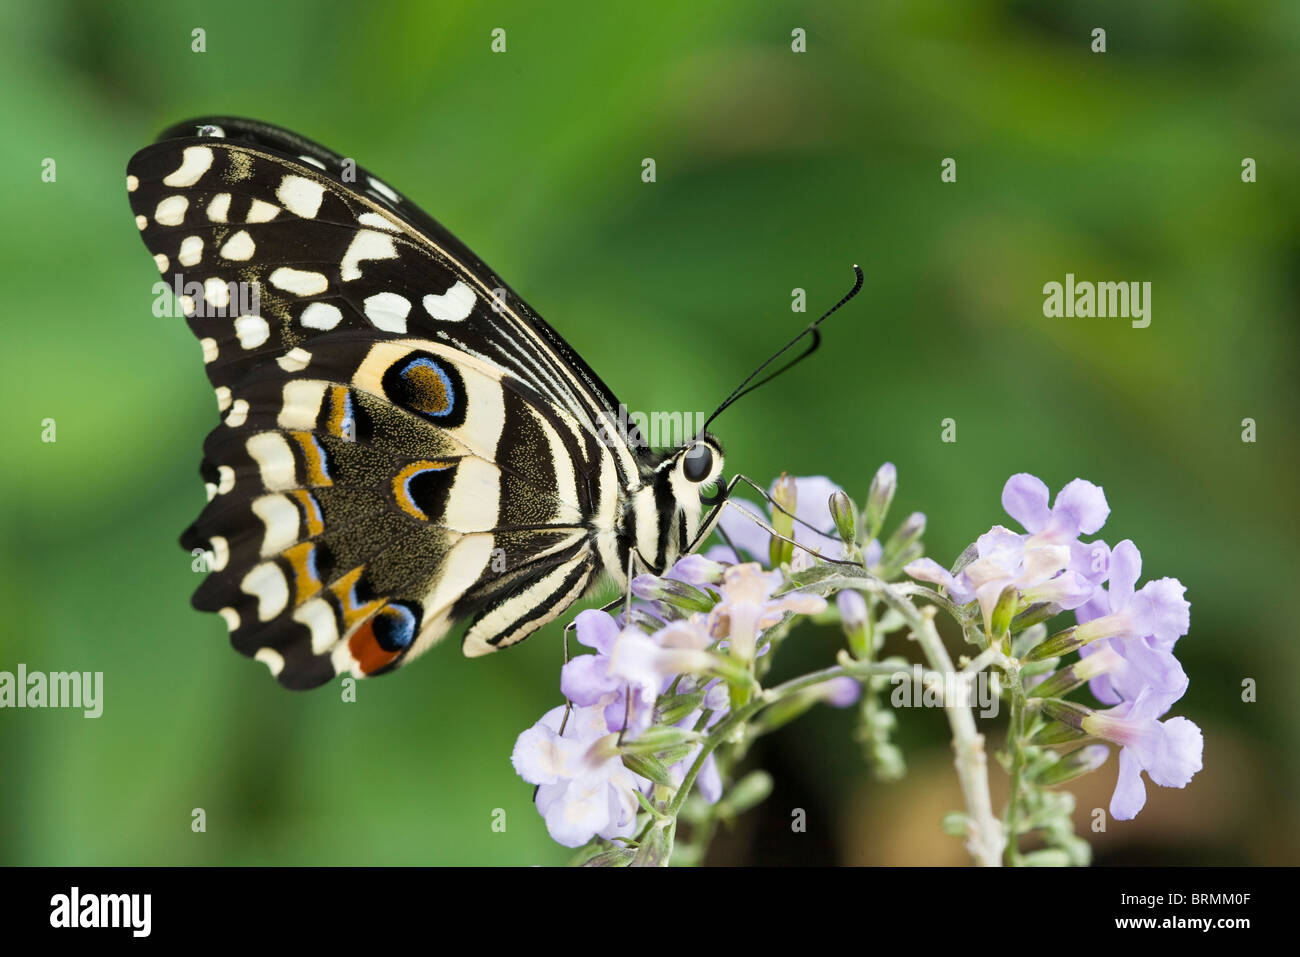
[(405, 444)]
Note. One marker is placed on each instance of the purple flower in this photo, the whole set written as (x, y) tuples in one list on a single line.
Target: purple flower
[(1169, 751), (588, 680), (840, 692), (1157, 610), (852, 606), (648, 663), (1045, 564), (1039, 571), (696, 569), (1125, 662), (1080, 508), (747, 607), (583, 787)]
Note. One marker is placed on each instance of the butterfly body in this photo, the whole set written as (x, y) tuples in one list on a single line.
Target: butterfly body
[(405, 444)]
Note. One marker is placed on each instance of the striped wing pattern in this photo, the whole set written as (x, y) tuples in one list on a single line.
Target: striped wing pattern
[(404, 444)]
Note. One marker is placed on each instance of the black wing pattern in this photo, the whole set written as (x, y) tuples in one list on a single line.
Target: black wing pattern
[(405, 443)]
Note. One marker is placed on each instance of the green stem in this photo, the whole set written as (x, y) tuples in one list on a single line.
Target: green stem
[(1015, 742), (738, 717)]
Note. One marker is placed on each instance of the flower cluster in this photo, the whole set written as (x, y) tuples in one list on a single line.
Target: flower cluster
[(1125, 635), (655, 685), (661, 712)]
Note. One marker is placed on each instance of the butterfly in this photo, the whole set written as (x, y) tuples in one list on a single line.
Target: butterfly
[(405, 444)]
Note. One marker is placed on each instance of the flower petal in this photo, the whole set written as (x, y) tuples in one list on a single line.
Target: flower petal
[(1025, 498), (1130, 792)]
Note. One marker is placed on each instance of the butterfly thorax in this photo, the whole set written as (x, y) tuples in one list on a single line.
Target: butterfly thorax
[(660, 519)]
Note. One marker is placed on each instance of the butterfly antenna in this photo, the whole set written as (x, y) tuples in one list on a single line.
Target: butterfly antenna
[(811, 330)]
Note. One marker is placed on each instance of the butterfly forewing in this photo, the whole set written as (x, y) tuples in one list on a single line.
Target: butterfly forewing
[(404, 443)]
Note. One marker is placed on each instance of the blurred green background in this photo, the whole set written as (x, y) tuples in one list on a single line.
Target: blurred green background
[(775, 170)]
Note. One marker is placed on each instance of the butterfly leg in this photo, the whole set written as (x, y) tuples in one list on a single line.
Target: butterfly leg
[(571, 626), (724, 498)]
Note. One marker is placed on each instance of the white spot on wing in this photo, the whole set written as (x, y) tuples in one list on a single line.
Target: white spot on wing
[(295, 360), (377, 221), (162, 262), (141, 222), (383, 190), (223, 398), (209, 349), (239, 247), (366, 244), (252, 331), (272, 659), (388, 311), (216, 292), (220, 550), (319, 618), (280, 516), (171, 211), (301, 405), (225, 479), (238, 413), (300, 282), (132, 184), (191, 250), (313, 161), (274, 460), (320, 315), (230, 617), (300, 196), (266, 583), (195, 161), (262, 212), (453, 305), (219, 208)]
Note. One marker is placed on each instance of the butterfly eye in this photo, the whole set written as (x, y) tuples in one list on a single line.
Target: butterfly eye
[(698, 463)]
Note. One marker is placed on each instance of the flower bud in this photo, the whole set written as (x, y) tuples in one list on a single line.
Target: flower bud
[(1067, 712), (649, 767), (1061, 683), (906, 534), (845, 516), (785, 495), (750, 791), (680, 594), (658, 738), (1063, 642), (695, 569), (1003, 611), (1056, 733), (883, 486), (853, 609), (1075, 764), (674, 708)]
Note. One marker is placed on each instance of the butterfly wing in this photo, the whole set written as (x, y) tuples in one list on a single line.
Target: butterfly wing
[(405, 444)]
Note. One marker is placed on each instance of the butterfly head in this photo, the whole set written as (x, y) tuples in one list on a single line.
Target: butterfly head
[(690, 472), (698, 463)]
